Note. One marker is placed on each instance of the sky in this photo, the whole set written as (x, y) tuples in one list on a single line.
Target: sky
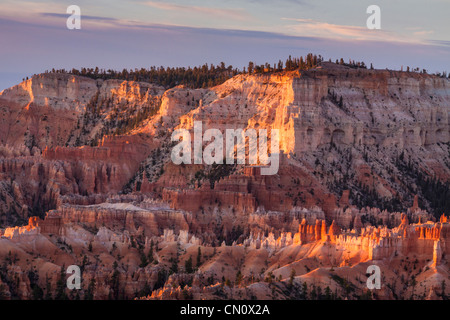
[(135, 34)]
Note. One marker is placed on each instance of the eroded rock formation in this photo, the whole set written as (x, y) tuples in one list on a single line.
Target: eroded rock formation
[(363, 160)]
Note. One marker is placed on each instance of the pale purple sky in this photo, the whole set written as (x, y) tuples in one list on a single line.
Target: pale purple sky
[(135, 34)]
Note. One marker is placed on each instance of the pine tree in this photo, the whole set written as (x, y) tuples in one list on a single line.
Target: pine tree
[(305, 291), (174, 266), (280, 65), (48, 290), (239, 278), (144, 260), (250, 67), (90, 290), (313, 293), (37, 293), (61, 286), (328, 294), (199, 257), (114, 282), (291, 279), (188, 265), (150, 253)]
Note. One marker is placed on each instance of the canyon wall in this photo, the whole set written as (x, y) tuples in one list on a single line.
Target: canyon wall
[(363, 178)]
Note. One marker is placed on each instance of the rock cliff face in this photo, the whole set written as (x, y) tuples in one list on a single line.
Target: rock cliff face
[(336, 124), (54, 109), (45, 118), (43, 110), (381, 108), (363, 179)]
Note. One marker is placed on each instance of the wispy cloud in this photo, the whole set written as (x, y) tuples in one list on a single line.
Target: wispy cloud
[(423, 32), (443, 43), (237, 14), (65, 16), (314, 28)]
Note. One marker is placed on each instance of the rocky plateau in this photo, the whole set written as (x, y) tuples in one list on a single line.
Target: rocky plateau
[(86, 179)]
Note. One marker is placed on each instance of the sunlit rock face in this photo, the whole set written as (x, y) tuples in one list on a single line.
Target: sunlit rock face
[(338, 126), (381, 108), (91, 158)]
